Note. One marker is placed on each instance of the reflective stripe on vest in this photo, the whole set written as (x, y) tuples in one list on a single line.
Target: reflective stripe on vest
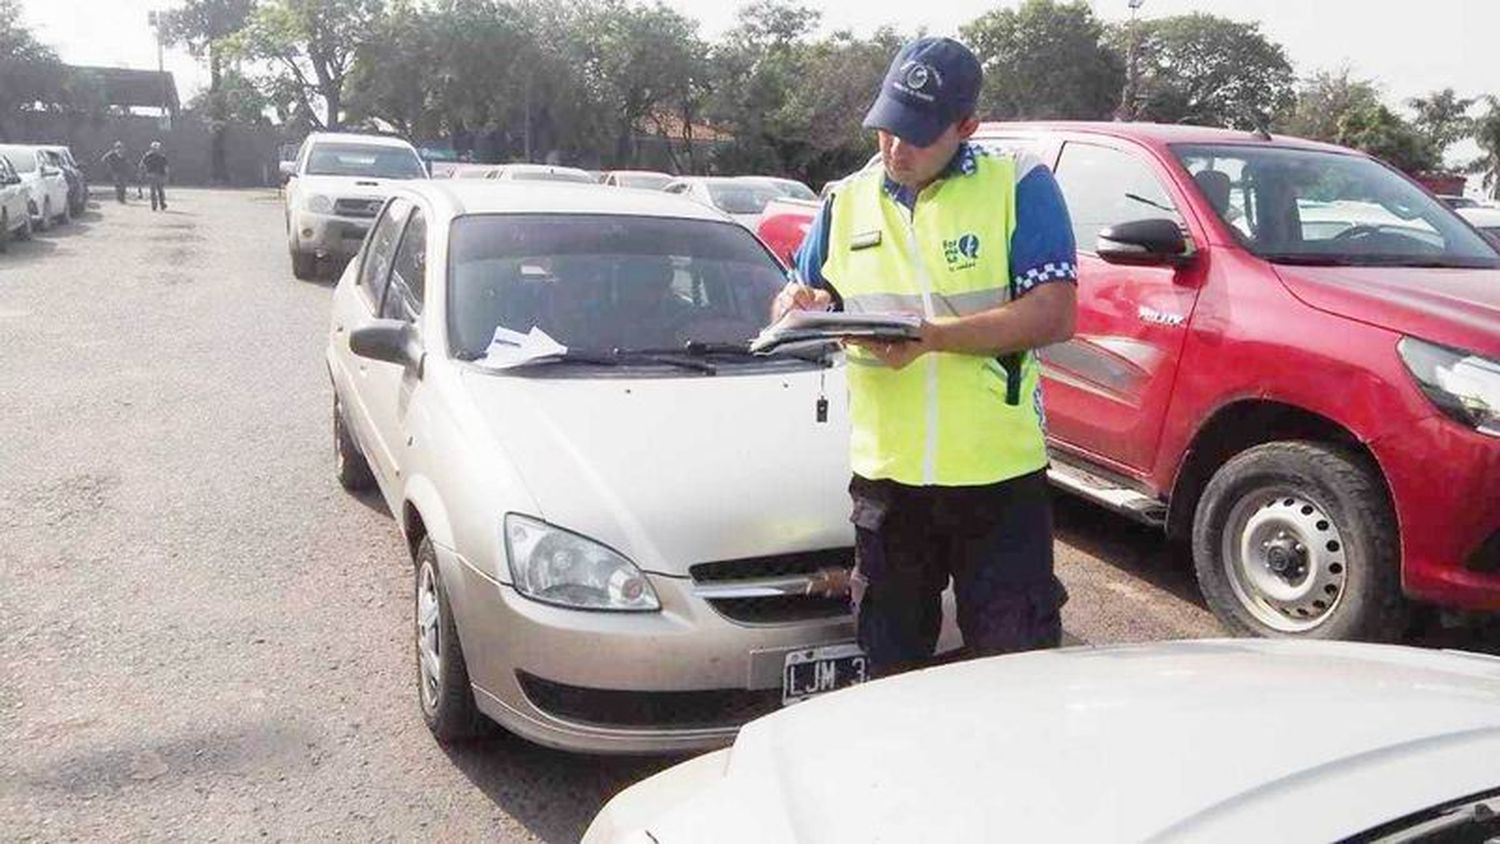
[(945, 419)]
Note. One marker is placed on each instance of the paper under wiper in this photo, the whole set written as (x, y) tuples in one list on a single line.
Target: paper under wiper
[(512, 348), (799, 329)]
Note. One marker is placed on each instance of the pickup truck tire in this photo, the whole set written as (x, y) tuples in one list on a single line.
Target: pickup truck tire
[(353, 470), (304, 265), (443, 690), (1296, 539)]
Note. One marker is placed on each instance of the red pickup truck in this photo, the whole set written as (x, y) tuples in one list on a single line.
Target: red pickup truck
[(1288, 355)]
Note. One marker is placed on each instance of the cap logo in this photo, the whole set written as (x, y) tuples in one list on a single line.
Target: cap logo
[(916, 77)]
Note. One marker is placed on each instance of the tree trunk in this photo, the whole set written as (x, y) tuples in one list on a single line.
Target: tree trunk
[(218, 120)]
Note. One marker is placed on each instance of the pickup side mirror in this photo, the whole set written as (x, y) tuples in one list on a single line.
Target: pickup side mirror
[(388, 340), (287, 169), (1144, 243)]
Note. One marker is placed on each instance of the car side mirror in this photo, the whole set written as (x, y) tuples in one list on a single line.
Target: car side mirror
[(388, 340), (1144, 243), (287, 169)]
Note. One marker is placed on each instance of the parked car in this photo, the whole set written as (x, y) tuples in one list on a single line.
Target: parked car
[(1456, 202), (336, 186), (465, 170), (784, 223), (46, 186), (1169, 742), (639, 179), (540, 173), (786, 187), (550, 387), (740, 198), (1486, 220), (78, 185), (1278, 343), (15, 215)]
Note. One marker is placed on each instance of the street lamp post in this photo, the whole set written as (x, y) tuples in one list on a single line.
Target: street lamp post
[(1128, 96), (155, 21)]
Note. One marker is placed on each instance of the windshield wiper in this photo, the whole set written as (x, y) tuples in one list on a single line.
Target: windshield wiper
[(613, 357), (704, 348), (1308, 260)]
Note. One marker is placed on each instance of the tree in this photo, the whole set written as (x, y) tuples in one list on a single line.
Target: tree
[(1045, 60), (202, 25), (1210, 71), (1384, 134), (29, 71), (819, 131), (309, 47), (754, 69), (1322, 102), (1487, 134), (238, 102), (1443, 119)]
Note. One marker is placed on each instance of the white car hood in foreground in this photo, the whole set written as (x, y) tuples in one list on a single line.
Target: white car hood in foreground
[(349, 187), (1203, 741), (680, 469)]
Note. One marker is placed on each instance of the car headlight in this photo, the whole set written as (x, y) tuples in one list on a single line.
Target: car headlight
[(1462, 385), (319, 204), (551, 565)]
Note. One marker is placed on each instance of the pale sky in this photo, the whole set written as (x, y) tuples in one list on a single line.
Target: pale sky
[(1412, 47)]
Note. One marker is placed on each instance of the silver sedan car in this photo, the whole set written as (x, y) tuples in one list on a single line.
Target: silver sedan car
[(627, 530)]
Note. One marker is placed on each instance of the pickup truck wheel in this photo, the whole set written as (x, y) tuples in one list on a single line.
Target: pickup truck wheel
[(1297, 539), (442, 677), (304, 265), (353, 470), (46, 221)]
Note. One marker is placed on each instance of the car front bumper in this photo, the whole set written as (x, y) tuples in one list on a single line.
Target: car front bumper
[(678, 680), (1445, 482), (328, 235)]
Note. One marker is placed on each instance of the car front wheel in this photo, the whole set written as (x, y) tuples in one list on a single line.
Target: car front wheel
[(442, 677), (1297, 539), (353, 470), (304, 265), (46, 221)]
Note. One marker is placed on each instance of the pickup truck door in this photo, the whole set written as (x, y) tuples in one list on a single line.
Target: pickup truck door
[(1108, 388)]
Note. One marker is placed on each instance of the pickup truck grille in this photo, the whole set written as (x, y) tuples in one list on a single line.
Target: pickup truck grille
[(357, 207), (780, 589)]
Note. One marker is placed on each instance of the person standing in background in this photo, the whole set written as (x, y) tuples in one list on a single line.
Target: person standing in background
[(154, 165), (119, 169)]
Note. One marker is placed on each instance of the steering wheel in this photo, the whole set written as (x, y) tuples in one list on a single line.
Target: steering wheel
[(1358, 230)]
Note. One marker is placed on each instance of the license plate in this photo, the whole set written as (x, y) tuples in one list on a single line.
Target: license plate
[(817, 670)]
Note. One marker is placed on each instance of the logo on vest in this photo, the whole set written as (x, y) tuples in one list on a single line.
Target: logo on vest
[(962, 253)]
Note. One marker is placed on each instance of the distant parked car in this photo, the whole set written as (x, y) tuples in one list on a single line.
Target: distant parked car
[(1456, 202), (338, 184), (540, 173), (639, 179), (1165, 742), (741, 198), (45, 182), (15, 218), (786, 187), (466, 170), (78, 186), (1486, 220)]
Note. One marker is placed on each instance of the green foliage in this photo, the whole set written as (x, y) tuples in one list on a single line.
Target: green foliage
[(1487, 134), (1045, 61), (1443, 119), (1384, 134), (1208, 71), (1322, 101), (29, 71)]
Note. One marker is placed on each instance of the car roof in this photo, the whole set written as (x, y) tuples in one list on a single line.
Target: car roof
[(640, 173), (527, 167), (1157, 134), (457, 197), (1202, 740), (360, 137)]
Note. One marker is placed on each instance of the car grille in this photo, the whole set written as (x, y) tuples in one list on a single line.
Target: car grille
[(676, 710), (357, 207), (780, 589)]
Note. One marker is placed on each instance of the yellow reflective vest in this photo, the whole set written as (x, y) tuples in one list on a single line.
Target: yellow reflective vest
[(946, 419)]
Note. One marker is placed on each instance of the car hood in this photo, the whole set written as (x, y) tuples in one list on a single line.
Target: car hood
[(1454, 307), (350, 186), (1207, 740), (678, 470)]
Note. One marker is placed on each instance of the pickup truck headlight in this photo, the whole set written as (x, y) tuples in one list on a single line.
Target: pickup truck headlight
[(1464, 386), (554, 566), (319, 204)]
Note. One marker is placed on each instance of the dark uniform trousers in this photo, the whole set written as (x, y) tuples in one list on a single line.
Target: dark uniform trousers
[(994, 541)]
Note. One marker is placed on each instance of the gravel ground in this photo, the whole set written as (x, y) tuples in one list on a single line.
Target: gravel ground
[(201, 636)]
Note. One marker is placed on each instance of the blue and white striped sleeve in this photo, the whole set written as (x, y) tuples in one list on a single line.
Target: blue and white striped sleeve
[(810, 256), (1042, 248)]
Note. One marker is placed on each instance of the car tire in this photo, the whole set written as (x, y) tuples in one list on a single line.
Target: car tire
[(67, 214), (25, 229), (46, 221), (352, 467), (304, 265), (443, 691), (4, 230), (1297, 539)]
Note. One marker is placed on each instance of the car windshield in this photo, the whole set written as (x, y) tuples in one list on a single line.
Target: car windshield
[(350, 159), (24, 160), (551, 176), (795, 190), (741, 197), (1312, 207), (605, 282), (644, 181)]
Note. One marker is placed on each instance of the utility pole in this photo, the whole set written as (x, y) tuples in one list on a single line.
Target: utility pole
[(1127, 110), (155, 21)]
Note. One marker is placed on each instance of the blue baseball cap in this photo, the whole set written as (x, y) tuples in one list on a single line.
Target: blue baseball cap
[(932, 84)]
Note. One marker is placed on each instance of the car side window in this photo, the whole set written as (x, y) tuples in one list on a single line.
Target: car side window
[(380, 248), (403, 298), (1104, 187)]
